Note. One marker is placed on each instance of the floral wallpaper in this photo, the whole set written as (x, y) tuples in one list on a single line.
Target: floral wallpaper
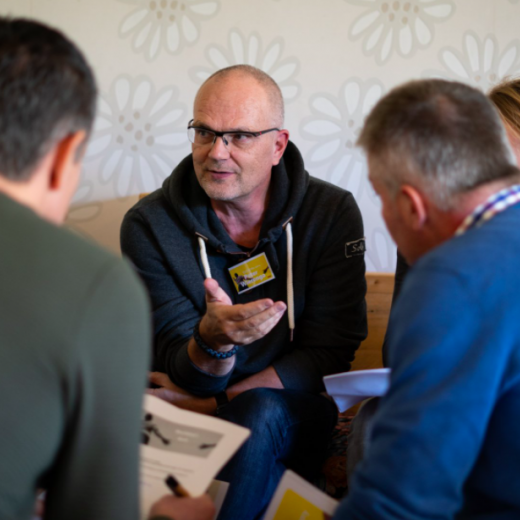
[(401, 27), (165, 25), (135, 130), (333, 60)]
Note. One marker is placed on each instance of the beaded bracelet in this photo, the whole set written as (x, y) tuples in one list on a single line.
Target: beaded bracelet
[(213, 353)]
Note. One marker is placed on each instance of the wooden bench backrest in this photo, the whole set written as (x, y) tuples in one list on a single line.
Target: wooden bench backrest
[(380, 287)]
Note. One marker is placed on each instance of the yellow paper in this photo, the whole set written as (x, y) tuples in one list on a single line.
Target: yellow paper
[(295, 507), (251, 273)]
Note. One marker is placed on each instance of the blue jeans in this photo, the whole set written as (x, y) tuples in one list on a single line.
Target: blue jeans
[(289, 429)]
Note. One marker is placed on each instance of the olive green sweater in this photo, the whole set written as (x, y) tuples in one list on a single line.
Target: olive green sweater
[(74, 337)]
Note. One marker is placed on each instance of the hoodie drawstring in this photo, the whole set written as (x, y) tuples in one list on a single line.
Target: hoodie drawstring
[(204, 257), (290, 287)]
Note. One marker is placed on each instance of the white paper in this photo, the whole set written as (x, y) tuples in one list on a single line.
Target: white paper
[(190, 446), (217, 491), (350, 388), (296, 499)]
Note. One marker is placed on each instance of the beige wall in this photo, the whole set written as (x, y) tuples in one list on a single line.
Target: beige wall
[(101, 221), (332, 58)]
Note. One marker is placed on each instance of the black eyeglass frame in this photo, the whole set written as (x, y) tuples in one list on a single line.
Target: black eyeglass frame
[(222, 134)]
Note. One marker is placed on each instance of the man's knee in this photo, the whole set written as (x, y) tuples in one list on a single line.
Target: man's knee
[(256, 408)]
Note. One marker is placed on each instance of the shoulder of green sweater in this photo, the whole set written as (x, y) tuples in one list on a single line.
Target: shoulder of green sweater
[(113, 318), (52, 259), (89, 266), (47, 240)]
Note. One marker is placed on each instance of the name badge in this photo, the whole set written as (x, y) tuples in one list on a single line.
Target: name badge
[(252, 272)]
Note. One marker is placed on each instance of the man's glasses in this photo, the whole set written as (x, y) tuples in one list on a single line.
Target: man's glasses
[(239, 139)]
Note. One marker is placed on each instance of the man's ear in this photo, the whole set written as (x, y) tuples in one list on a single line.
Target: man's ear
[(412, 207), (67, 154), (280, 145)]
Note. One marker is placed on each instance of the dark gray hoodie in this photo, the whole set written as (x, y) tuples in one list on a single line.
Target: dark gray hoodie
[(160, 236)]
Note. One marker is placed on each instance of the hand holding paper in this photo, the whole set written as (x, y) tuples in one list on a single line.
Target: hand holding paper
[(200, 508), (190, 446)]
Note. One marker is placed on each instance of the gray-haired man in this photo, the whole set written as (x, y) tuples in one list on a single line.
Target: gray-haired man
[(446, 438)]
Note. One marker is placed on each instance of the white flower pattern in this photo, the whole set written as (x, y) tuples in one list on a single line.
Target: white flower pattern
[(402, 26), (480, 63), (250, 51), (165, 24), (335, 125), (135, 132)]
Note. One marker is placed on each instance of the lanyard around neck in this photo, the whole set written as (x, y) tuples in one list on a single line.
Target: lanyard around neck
[(497, 203)]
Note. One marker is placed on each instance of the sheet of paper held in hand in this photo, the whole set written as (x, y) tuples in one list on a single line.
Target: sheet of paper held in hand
[(190, 446), (296, 499), (350, 388)]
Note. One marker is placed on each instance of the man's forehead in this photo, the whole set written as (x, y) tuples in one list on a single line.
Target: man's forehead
[(232, 80), (232, 105)]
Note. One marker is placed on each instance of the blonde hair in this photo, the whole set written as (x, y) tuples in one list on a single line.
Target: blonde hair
[(506, 97)]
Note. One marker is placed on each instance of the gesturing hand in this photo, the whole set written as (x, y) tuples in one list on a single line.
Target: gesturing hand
[(225, 324)]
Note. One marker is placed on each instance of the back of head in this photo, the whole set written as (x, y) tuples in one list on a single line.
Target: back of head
[(444, 137), (47, 91)]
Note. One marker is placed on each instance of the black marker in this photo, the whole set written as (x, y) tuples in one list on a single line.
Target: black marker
[(177, 489)]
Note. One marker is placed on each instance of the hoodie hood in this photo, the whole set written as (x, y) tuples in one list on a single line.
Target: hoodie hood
[(192, 206)]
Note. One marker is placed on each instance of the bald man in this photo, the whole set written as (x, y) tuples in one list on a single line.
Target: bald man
[(256, 276)]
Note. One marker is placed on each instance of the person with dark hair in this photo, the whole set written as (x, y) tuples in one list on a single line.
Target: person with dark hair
[(446, 440), (243, 203), (69, 312)]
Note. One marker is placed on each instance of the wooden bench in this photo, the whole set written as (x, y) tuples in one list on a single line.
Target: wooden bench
[(380, 287)]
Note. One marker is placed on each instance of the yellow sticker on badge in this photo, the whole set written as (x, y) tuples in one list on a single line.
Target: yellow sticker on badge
[(251, 273), (295, 507)]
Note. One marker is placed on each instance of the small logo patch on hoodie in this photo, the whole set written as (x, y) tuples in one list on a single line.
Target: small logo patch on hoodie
[(355, 248)]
